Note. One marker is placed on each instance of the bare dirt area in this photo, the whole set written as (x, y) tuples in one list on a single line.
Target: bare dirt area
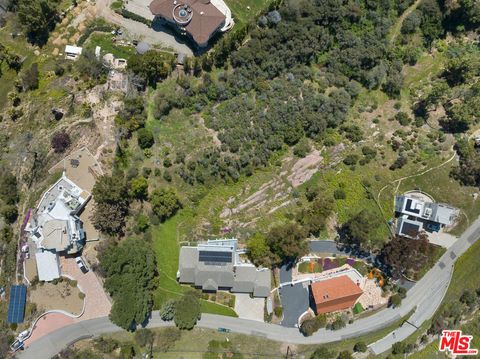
[(304, 168), (273, 195), (61, 296)]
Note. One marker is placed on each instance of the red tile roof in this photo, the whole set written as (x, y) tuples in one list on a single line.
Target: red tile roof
[(335, 294), (205, 17)]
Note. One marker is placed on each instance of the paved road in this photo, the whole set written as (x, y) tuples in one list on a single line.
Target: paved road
[(424, 297)]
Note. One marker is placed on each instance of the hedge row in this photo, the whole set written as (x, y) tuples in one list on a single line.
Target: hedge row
[(130, 15)]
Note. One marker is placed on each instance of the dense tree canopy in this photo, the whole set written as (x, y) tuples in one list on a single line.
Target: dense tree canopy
[(187, 311), (362, 230), (38, 18), (287, 243), (165, 203), (111, 204), (405, 256), (130, 271)]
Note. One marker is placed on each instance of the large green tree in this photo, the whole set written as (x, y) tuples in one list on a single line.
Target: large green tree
[(112, 198), (130, 272), (259, 252), (287, 243), (38, 18), (165, 203), (187, 311), (363, 230)]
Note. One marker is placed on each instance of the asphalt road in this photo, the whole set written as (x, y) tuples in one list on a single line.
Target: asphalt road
[(424, 298)]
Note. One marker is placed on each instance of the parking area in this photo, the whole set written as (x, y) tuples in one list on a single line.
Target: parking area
[(97, 303), (249, 308), (294, 302)]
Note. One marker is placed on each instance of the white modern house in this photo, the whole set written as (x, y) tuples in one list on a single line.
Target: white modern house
[(55, 227), (415, 214)]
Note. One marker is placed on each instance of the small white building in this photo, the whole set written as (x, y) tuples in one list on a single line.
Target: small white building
[(48, 268), (72, 52)]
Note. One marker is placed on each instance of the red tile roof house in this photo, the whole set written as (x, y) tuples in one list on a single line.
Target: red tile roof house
[(198, 19), (334, 294)]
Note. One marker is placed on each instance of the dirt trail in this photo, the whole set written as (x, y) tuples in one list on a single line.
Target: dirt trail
[(399, 180), (398, 25)]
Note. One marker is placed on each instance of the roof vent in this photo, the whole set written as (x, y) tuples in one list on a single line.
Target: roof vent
[(201, 12)]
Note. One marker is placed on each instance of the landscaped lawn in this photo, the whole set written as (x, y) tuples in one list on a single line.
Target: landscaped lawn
[(167, 250), (105, 41), (311, 266)]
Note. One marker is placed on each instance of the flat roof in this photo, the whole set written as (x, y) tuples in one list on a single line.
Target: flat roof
[(47, 266)]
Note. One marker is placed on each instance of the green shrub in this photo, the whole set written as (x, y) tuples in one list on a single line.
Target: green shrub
[(130, 15), (278, 312), (360, 347), (339, 193), (351, 160), (145, 138)]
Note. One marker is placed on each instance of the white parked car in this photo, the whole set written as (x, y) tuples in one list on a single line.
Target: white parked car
[(81, 264)]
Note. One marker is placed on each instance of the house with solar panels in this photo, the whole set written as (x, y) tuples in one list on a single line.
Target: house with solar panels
[(416, 215), (216, 265), (55, 227)]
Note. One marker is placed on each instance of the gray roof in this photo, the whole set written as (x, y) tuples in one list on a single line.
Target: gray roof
[(212, 276), (210, 285), (223, 276)]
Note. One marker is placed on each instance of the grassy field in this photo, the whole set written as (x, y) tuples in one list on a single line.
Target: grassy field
[(104, 40), (240, 12), (193, 344), (443, 188)]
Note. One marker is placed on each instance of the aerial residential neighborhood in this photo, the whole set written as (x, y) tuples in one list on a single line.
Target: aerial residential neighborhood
[(239, 179)]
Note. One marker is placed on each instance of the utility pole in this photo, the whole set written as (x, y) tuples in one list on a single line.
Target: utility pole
[(288, 353)]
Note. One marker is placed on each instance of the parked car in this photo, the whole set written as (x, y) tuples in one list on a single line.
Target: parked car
[(81, 264), (223, 330), (16, 345)]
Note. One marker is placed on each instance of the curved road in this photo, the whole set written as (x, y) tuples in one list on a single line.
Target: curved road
[(424, 297)]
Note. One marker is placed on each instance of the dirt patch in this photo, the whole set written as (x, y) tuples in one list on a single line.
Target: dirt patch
[(304, 168), (60, 296)]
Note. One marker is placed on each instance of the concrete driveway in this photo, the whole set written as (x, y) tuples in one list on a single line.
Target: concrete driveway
[(294, 302), (249, 308), (97, 303)]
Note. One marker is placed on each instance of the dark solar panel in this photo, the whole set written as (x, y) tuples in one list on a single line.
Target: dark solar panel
[(215, 257), (16, 307), (410, 229), (408, 207)]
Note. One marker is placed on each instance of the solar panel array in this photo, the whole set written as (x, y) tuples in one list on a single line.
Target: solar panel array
[(215, 257), (16, 307)]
